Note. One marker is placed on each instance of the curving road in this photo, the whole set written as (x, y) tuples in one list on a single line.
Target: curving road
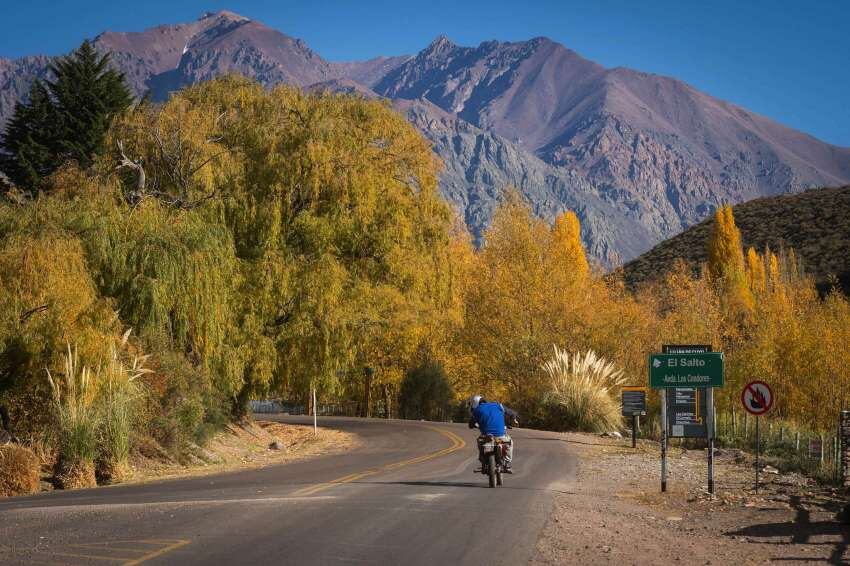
[(407, 495)]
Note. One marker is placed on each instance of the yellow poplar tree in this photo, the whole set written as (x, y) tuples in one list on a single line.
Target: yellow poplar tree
[(726, 261), (756, 275), (567, 246)]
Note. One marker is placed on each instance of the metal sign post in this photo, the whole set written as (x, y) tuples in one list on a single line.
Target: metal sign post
[(687, 375), (663, 441), (758, 450), (634, 431), (757, 398), (710, 420), (633, 405)]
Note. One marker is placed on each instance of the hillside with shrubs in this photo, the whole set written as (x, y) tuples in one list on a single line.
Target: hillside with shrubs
[(237, 243), (816, 223)]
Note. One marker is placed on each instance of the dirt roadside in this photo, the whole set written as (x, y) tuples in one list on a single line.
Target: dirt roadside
[(615, 512), (240, 447)]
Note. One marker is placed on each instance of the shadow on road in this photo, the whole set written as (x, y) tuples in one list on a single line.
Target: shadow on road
[(482, 484), (801, 530), (567, 441)]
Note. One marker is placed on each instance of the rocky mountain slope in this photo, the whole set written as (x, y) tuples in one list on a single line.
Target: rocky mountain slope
[(16, 77), (639, 157), (816, 223), (656, 148)]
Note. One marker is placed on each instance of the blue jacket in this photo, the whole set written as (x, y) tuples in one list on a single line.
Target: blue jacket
[(490, 418)]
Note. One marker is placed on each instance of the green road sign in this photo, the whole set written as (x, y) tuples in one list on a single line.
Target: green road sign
[(686, 370)]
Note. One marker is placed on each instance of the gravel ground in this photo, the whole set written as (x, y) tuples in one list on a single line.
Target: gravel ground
[(615, 512)]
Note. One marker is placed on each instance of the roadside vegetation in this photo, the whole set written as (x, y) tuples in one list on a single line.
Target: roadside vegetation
[(236, 243)]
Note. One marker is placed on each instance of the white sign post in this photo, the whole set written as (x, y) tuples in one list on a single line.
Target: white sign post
[(315, 410), (757, 398)]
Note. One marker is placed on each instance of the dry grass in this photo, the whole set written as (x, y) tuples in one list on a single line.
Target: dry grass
[(74, 474), (19, 470), (74, 394), (581, 392), (241, 447), (816, 223)]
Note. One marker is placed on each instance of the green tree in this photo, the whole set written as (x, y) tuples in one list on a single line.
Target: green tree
[(66, 119), (29, 141), (425, 392), (87, 95)]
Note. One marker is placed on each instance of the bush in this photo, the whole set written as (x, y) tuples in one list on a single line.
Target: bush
[(119, 398), (425, 393), (186, 407), (77, 423), (580, 392), (19, 470)]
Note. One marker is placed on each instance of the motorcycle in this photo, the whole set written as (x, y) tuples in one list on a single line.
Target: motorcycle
[(492, 453)]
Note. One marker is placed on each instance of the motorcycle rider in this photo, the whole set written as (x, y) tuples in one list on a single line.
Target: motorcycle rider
[(492, 418)]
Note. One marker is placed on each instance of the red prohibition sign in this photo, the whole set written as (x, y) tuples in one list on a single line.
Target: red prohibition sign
[(757, 397)]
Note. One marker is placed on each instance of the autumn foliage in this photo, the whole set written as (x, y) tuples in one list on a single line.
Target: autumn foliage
[(281, 241)]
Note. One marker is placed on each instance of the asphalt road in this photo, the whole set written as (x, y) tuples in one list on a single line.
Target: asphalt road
[(406, 495)]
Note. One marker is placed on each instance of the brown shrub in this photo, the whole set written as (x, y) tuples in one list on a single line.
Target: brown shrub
[(109, 472), (74, 474), (19, 470)]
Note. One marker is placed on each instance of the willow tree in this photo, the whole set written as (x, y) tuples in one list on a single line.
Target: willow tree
[(47, 300), (332, 207)]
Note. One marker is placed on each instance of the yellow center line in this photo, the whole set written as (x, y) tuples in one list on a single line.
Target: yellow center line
[(174, 546), (457, 444), (147, 554), (107, 547), (93, 556)]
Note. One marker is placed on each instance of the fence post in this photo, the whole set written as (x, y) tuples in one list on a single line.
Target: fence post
[(746, 427), (835, 458), (845, 448), (734, 428), (781, 434), (797, 441), (822, 451)]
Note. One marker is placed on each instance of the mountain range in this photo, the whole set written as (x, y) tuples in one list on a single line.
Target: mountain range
[(638, 156)]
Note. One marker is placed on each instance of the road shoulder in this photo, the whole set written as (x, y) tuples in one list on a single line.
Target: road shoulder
[(257, 444), (616, 513)]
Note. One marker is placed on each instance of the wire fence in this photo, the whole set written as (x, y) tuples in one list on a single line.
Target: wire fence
[(785, 445)]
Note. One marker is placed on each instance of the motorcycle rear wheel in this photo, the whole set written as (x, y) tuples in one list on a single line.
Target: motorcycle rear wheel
[(491, 465)]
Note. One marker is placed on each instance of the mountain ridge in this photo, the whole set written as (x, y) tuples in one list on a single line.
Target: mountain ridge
[(816, 223), (640, 156)]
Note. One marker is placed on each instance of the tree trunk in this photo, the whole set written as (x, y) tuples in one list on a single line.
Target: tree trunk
[(367, 382), (241, 404), (386, 389)]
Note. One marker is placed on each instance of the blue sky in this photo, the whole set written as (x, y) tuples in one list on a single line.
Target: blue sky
[(786, 60)]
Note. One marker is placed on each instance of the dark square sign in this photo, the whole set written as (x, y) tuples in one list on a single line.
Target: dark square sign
[(686, 412), (634, 401)]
